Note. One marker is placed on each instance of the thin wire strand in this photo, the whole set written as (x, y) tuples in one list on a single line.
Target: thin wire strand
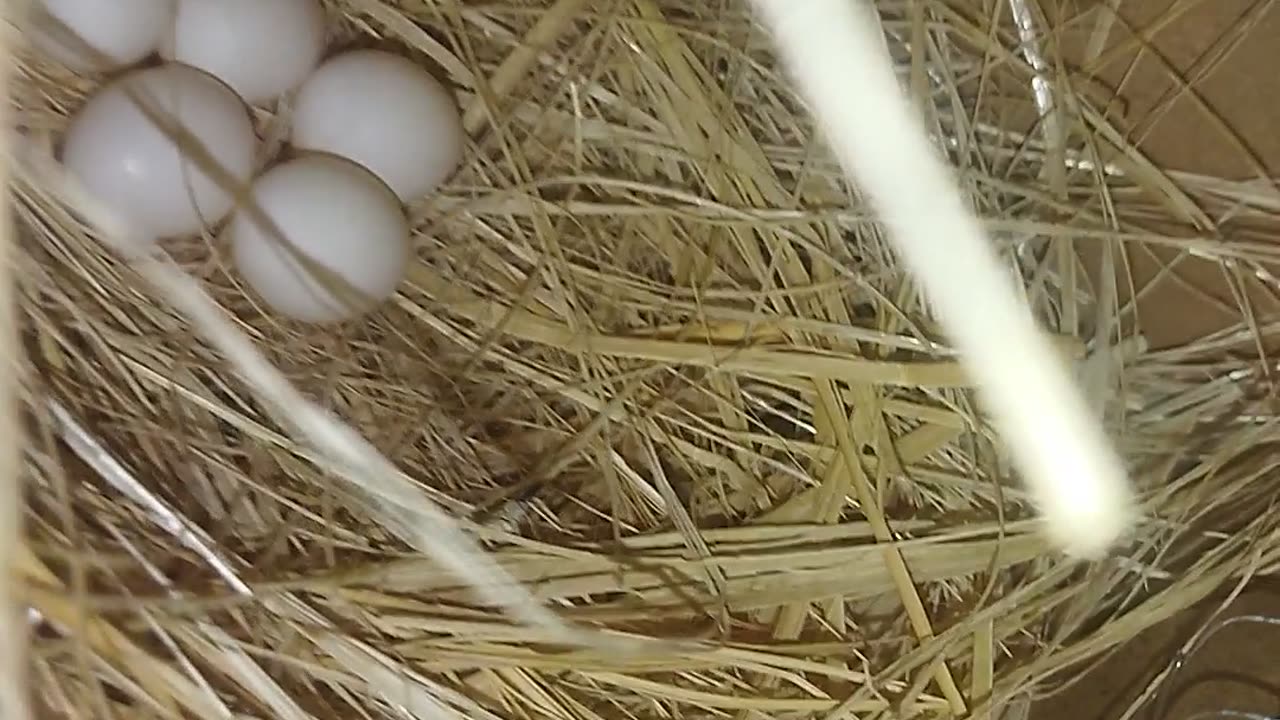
[(1182, 659), (1041, 90)]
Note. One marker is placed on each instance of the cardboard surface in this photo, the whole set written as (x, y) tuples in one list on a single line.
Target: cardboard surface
[(1197, 84), (1222, 121)]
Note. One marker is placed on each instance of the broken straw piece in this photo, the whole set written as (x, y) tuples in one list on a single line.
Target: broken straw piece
[(836, 55)]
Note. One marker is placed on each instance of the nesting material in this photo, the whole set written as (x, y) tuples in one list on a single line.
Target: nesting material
[(836, 53), (661, 365)]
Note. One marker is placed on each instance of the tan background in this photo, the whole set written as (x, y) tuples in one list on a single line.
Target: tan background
[(1239, 669), (1202, 95)]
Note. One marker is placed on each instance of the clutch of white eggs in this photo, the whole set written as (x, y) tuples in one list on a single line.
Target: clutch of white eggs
[(320, 237)]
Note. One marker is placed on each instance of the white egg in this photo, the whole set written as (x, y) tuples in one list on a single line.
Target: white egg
[(116, 32), (123, 158), (261, 48), (387, 114), (346, 240)]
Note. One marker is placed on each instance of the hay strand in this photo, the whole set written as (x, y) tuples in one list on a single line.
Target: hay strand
[(657, 360), (1078, 482), (14, 685)]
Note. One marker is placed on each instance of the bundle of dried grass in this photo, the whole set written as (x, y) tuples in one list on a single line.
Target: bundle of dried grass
[(657, 358)]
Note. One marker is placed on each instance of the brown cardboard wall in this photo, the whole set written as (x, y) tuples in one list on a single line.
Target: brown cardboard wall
[(1221, 119), (1195, 82)]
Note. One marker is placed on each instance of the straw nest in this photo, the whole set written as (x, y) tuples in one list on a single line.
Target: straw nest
[(658, 358)]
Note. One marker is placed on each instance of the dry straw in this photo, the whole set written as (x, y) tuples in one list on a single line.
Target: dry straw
[(709, 453), (836, 52)]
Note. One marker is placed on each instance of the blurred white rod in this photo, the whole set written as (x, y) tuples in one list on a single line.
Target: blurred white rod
[(837, 57)]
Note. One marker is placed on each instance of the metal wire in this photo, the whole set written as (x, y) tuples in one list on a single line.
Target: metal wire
[(1028, 36), (1178, 665), (1156, 695)]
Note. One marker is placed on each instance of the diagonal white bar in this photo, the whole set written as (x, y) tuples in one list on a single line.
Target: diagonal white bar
[(836, 54)]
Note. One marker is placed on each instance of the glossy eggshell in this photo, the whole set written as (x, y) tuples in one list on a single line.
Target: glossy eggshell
[(385, 113), (158, 186), (116, 32), (346, 224), (260, 48)]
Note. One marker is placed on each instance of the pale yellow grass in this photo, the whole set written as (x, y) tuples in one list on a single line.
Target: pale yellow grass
[(656, 357)]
